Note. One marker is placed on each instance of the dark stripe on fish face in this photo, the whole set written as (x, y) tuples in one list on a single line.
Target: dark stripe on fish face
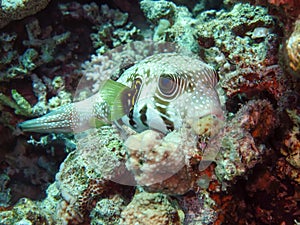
[(131, 119), (161, 107), (143, 115), (168, 122)]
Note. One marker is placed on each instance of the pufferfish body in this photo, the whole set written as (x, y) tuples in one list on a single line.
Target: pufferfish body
[(163, 92)]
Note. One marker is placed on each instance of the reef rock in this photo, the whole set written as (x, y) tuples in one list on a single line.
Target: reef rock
[(293, 49), (16, 10)]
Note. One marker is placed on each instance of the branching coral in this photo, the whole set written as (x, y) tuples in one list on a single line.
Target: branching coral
[(111, 26), (18, 103), (39, 51), (40, 48)]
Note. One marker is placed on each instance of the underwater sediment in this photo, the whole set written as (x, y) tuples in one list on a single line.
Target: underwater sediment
[(228, 153)]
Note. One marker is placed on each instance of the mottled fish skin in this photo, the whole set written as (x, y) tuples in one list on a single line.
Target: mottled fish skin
[(172, 89)]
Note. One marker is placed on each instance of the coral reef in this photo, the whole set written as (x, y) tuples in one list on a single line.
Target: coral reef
[(40, 50), (25, 211), (231, 39), (175, 23), (82, 180), (240, 150), (111, 26), (198, 208), (108, 210), (244, 170), (85, 173)]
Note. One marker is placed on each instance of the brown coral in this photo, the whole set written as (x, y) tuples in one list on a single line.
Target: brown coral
[(291, 143), (293, 49), (257, 117), (238, 140), (290, 6), (250, 80), (286, 170)]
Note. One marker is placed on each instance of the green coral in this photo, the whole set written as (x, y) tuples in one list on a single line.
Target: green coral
[(5, 195), (38, 52), (24, 107), (18, 103), (27, 63)]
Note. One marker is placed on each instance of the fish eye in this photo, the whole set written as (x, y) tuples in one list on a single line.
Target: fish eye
[(167, 85)]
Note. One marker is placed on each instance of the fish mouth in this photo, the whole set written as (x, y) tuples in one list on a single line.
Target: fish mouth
[(60, 120), (74, 117)]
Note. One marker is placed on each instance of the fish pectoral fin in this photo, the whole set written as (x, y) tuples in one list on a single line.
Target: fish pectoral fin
[(114, 94)]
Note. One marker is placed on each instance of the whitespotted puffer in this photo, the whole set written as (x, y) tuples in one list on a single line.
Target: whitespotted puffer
[(163, 92)]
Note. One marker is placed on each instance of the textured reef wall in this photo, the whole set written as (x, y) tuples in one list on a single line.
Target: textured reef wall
[(243, 170), (16, 10)]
